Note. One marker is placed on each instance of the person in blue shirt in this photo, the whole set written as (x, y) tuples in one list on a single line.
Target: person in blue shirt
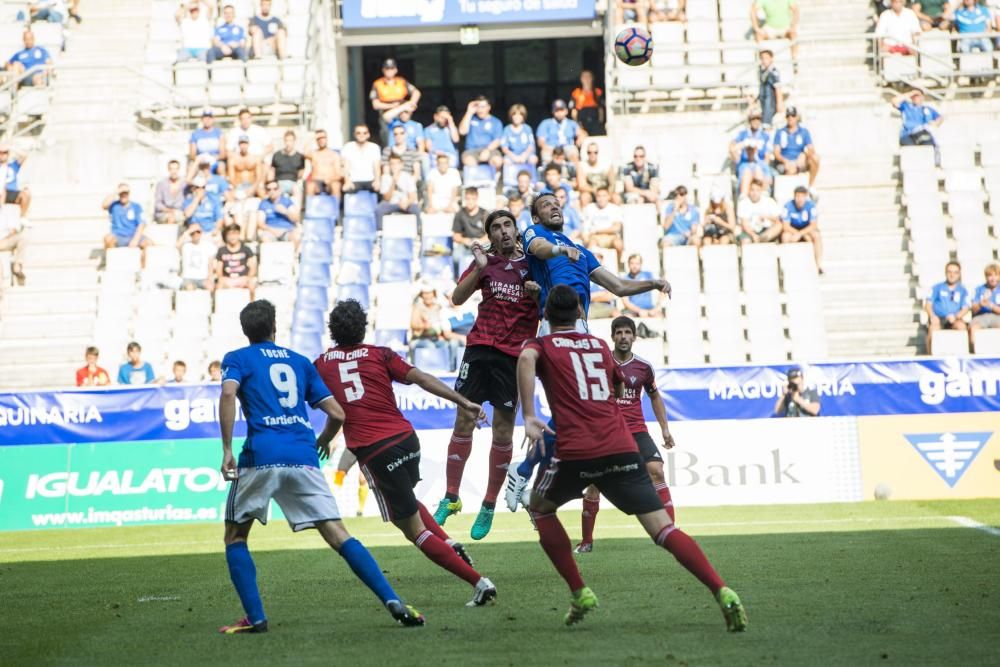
[(646, 304), (125, 215), (483, 133), (918, 119), (749, 151), (30, 56), (203, 209), (572, 220), (15, 192), (414, 130), (947, 303), (973, 18), (681, 219), (800, 222), (518, 142), (206, 141), (552, 181), (441, 137), (216, 186), (277, 216), (560, 130), (280, 461), (794, 151), (986, 303), (230, 40), (135, 370)]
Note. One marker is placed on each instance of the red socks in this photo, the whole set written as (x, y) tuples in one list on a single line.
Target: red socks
[(589, 517), (555, 542), (663, 491), (430, 524), (458, 453), (441, 553), (689, 554), (500, 455)]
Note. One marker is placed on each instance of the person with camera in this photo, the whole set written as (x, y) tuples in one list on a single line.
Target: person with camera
[(798, 400)]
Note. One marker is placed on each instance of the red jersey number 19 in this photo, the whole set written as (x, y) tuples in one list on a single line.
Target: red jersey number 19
[(349, 375), (586, 368)]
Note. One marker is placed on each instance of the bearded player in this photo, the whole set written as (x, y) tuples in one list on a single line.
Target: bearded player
[(637, 375), (508, 315), (579, 376), (360, 377)]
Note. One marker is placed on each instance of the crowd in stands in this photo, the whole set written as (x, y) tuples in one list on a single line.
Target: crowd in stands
[(900, 27), (231, 36), (950, 305), (135, 371)]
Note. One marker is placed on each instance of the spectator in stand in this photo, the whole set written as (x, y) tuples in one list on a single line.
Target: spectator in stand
[(402, 116), (567, 169), (719, 226), (398, 192), (666, 10), (325, 175), (127, 225), (630, 11), (759, 216), (918, 119), (800, 222), (642, 182), (135, 370), (972, 18), (235, 263), (586, 104), (230, 40), (390, 91), (196, 33), (168, 197), (681, 220), (197, 258), (441, 137), (467, 229), (260, 139), (246, 175), (770, 93), (781, 21), (288, 166), (483, 133), (986, 303), (443, 187), (593, 174), (560, 131), (794, 151), (362, 162), (572, 220), (179, 370), (267, 32), (15, 192), (203, 210), (524, 188), (933, 14), (647, 304), (518, 142), (27, 59), (428, 326), (897, 29), (206, 141), (603, 223), (750, 151), (412, 160), (12, 240), (51, 11), (214, 371), (277, 217), (947, 303), (92, 375), (515, 204), (552, 181), (216, 185), (603, 304)]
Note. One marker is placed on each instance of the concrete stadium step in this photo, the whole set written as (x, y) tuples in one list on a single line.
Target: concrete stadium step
[(52, 254), (46, 326), (69, 230), (28, 352), (837, 296), (882, 319), (46, 376), (54, 204), (837, 246), (843, 269), (26, 301), (66, 278), (866, 342)]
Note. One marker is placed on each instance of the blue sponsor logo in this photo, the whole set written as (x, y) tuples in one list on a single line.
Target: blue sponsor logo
[(949, 454)]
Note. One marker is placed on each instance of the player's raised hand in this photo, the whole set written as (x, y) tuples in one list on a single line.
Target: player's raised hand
[(479, 253), (535, 430), (668, 440), (532, 289), (665, 287), (573, 253), (229, 470)]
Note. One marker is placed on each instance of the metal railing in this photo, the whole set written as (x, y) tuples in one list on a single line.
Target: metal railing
[(964, 73)]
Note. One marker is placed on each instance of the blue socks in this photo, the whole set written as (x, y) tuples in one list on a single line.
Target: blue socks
[(367, 570), (244, 575), (527, 466)]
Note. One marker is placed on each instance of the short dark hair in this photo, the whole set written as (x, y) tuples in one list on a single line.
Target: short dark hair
[(393, 156), (244, 110), (215, 363), (953, 263), (231, 227), (133, 346), (92, 350), (622, 322), (290, 133), (562, 307), (481, 98), (525, 172), (348, 322), (551, 166), (538, 199), (257, 319), (180, 363), (173, 162), (515, 197)]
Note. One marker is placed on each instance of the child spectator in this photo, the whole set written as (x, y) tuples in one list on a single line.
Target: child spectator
[(215, 371), (197, 258), (235, 263), (179, 370), (135, 370), (518, 142), (986, 302), (92, 375)]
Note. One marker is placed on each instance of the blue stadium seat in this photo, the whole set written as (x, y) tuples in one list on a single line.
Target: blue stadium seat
[(360, 250), (319, 230), (479, 174), (395, 271), (510, 172), (357, 292), (397, 248), (311, 297), (394, 338), (308, 321), (432, 358), (359, 227), (446, 241), (437, 267), (359, 203), (317, 252), (355, 273), (312, 274), (322, 206), (310, 345)]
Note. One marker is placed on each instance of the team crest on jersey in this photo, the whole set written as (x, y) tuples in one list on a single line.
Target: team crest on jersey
[(524, 273), (631, 378), (949, 454)]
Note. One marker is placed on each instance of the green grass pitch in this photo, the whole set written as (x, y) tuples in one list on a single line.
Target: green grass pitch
[(853, 584)]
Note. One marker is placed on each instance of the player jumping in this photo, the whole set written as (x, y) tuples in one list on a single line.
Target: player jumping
[(579, 375), (388, 451), (554, 259), (508, 315), (279, 461), (637, 374)]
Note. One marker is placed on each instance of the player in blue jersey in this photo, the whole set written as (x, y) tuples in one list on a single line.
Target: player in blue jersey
[(279, 460), (556, 260)]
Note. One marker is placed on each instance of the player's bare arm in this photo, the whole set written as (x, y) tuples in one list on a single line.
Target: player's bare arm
[(432, 385), (227, 417), (534, 428), (543, 249), (334, 421), (533, 290), (468, 285), (620, 287), (660, 412)]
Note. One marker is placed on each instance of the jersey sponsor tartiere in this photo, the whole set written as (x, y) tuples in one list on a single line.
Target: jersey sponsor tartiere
[(637, 375), (361, 377), (276, 384), (560, 270), (507, 316), (579, 376)]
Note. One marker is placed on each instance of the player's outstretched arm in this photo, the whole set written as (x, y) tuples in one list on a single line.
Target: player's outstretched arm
[(227, 416), (334, 421), (432, 385), (543, 249), (621, 287), (470, 281)]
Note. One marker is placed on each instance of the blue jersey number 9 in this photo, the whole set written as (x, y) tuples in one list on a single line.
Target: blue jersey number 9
[(283, 379)]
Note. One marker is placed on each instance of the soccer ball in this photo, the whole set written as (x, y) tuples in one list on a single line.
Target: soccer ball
[(634, 46)]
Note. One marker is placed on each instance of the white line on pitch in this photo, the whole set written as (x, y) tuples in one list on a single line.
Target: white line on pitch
[(972, 523)]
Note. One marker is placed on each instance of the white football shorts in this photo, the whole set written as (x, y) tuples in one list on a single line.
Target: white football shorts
[(300, 491)]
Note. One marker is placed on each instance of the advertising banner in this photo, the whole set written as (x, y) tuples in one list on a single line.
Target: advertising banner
[(416, 13), (931, 456)]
